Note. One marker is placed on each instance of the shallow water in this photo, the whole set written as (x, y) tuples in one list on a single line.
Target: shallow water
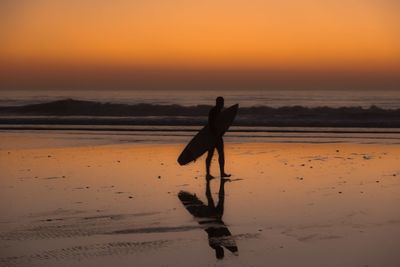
[(71, 136)]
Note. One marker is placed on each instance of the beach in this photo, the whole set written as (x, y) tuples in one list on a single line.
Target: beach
[(199, 133), (87, 202)]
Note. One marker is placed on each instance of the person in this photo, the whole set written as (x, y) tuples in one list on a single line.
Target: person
[(219, 143)]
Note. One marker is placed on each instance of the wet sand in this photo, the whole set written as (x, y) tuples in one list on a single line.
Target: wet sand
[(124, 205)]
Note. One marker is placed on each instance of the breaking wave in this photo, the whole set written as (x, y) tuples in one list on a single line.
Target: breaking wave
[(78, 112)]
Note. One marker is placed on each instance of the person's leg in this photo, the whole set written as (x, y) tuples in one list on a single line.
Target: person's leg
[(221, 158), (208, 163)]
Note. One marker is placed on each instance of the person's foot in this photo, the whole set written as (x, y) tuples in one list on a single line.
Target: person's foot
[(225, 175), (209, 177), (224, 180)]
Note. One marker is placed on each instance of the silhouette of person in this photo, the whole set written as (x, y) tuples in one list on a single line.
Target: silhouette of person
[(219, 142), (210, 217)]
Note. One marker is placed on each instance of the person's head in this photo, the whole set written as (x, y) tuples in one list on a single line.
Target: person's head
[(219, 102)]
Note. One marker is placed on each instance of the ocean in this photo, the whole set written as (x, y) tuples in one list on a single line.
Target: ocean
[(175, 116), (271, 98)]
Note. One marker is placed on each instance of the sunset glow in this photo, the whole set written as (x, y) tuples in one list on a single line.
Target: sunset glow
[(199, 133), (211, 34)]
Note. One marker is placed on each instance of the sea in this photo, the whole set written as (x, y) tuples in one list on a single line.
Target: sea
[(112, 133), (251, 98)]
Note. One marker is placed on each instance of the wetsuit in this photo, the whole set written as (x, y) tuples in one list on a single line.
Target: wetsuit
[(219, 144)]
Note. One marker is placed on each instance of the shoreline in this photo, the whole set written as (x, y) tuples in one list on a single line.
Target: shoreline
[(241, 121), (195, 128), (67, 137)]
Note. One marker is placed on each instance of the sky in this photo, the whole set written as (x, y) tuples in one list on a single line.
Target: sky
[(176, 44)]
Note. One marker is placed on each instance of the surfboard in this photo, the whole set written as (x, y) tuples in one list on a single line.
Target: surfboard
[(204, 139)]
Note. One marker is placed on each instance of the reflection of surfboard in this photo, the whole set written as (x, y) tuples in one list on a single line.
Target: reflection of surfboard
[(204, 139)]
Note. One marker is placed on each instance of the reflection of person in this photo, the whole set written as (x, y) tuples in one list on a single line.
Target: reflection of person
[(210, 217), (219, 144)]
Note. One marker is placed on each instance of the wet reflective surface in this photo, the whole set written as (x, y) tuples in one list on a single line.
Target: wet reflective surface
[(285, 205), (210, 218)]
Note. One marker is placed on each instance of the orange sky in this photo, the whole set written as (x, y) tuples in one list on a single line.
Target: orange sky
[(287, 35)]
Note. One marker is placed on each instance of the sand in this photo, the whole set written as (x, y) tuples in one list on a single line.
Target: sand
[(285, 205)]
